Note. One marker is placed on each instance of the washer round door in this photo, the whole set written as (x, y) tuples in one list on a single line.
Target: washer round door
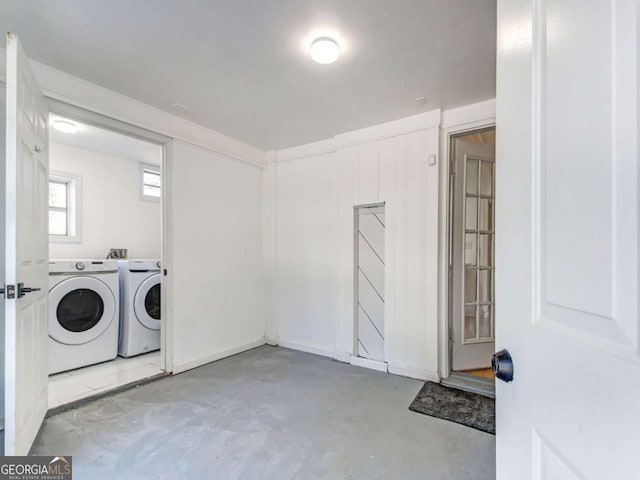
[(80, 310), (146, 303)]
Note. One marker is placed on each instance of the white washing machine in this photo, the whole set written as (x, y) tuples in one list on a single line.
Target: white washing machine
[(83, 313), (140, 307)]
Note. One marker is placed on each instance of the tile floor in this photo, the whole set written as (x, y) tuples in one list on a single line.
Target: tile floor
[(77, 384)]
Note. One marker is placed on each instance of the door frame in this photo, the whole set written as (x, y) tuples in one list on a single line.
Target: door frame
[(454, 123), (166, 143)]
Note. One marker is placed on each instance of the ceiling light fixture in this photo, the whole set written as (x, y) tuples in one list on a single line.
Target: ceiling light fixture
[(65, 126), (324, 50)]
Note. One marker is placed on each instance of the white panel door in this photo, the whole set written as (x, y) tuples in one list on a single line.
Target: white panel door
[(370, 273), (567, 239), (473, 301), (26, 254)]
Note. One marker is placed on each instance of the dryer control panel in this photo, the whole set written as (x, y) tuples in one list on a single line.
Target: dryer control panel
[(82, 266)]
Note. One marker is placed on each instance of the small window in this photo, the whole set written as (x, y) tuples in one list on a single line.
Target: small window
[(151, 182), (64, 191)]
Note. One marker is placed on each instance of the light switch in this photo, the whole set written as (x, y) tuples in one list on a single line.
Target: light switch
[(432, 159)]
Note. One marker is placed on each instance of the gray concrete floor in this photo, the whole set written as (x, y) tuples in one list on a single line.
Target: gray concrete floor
[(269, 413)]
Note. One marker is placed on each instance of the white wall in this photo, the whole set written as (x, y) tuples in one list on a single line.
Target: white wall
[(308, 250), (216, 271), (113, 213), (314, 259)]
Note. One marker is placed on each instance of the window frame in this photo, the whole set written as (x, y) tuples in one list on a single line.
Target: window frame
[(74, 207), (148, 167)]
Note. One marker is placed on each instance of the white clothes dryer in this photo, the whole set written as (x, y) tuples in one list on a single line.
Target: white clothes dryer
[(83, 313), (140, 307)]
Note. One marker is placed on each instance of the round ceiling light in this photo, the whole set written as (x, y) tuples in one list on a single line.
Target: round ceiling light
[(324, 50), (65, 126)]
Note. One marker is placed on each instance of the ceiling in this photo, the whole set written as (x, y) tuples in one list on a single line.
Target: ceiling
[(106, 141), (242, 66)]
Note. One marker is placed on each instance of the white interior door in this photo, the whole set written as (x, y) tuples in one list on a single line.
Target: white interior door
[(473, 302), (26, 254), (567, 239), (370, 282)]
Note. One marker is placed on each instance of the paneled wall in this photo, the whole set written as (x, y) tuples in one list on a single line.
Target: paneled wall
[(314, 291)]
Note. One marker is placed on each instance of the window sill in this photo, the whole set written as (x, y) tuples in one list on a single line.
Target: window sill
[(61, 239)]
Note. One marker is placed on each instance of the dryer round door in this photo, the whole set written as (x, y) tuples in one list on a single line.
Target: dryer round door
[(146, 303), (80, 310)]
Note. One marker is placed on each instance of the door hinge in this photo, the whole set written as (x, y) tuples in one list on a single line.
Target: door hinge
[(165, 272)]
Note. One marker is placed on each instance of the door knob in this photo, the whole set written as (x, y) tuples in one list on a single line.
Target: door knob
[(502, 366)]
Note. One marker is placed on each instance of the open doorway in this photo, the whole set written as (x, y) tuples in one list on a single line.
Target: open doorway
[(471, 298), (105, 259)]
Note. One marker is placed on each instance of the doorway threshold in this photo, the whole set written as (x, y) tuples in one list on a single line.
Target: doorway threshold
[(69, 387), (470, 383)]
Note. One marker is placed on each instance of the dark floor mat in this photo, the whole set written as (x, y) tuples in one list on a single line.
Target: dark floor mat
[(469, 409)]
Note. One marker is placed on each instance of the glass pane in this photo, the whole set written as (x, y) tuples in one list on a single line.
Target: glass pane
[(484, 321), (486, 214), (80, 310), (485, 254), (470, 249), (471, 213), (151, 178), (486, 178), (484, 280), (57, 223), (472, 175), (152, 302), (151, 191), (469, 322), (469, 285), (57, 195)]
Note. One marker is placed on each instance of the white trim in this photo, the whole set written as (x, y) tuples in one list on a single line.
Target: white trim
[(456, 121), (191, 364), (306, 348), (476, 112), (343, 357), (70, 89), (270, 250), (368, 363), (74, 207), (414, 372), (166, 248), (307, 150), (422, 121)]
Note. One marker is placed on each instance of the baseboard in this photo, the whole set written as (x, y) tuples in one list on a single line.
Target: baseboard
[(414, 372), (342, 357), (306, 348), (274, 342), (366, 363), (183, 367)]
